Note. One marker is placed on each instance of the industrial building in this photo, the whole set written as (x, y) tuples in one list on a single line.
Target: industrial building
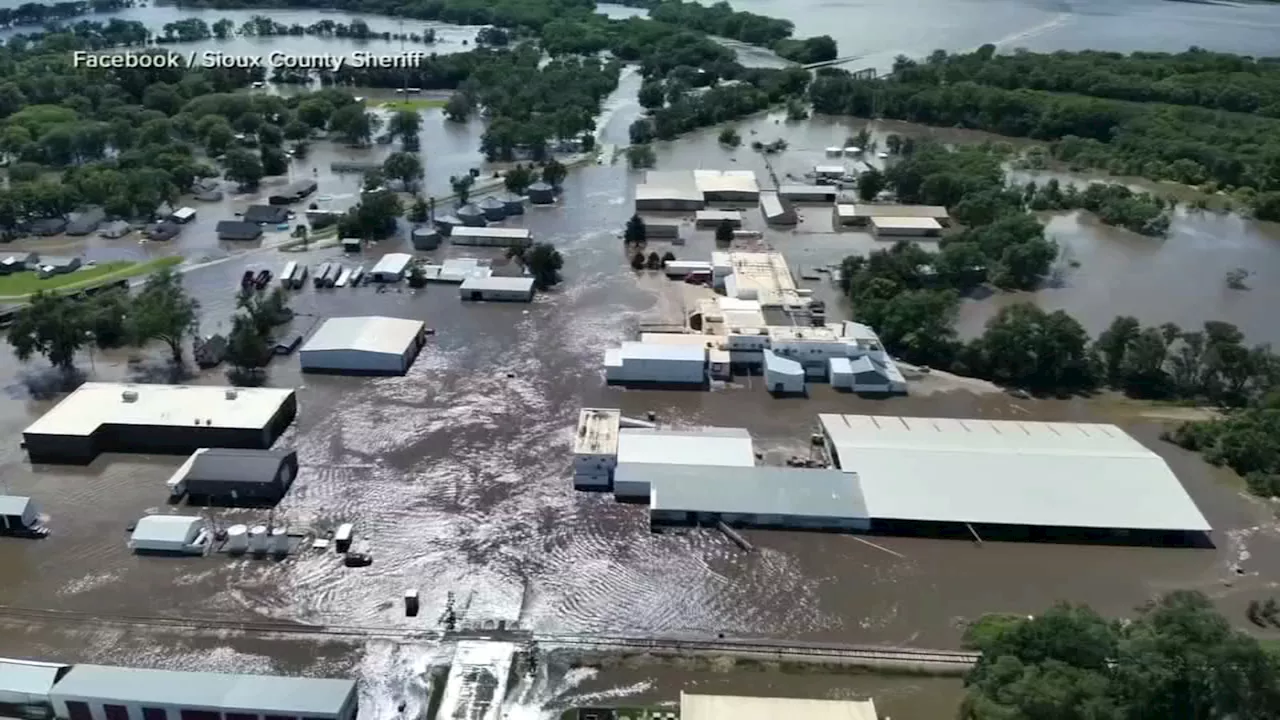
[(507, 289), (782, 376), (168, 419), (595, 448), (19, 517), (471, 216), (757, 497), (98, 692), (685, 268), (662, 230), (227, 476), (711, 219), (169, 535), (368, 345), (491, 236), (457, 270), (293, 192), (776, 210), (238, 230), (645, 454), (866, 375), (763, 277), (653, 198), (425, 238), (727, 707), (894, 227), (682, 190), (25, 686), (391, 268), (719, 362), (808, 193), (727, 186), (994, 475), (494, 209), (861, 214), (638, 363)]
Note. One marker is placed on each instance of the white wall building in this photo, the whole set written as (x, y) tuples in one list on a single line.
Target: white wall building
[(656, 363), (170, 534), (370, 345), (491, 236), (595, 448), (641, 449), (497, 288), (782, 376), (391, 268)]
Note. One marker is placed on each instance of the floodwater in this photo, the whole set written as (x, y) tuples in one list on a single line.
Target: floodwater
[(457, 477)]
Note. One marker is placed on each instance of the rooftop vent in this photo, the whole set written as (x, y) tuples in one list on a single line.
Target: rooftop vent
[(232, 394), (129, 396)]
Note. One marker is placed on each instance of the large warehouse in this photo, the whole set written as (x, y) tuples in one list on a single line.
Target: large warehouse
[(166, 419), (759, 496), (99, 692), (923, 474), (731, 707), (369, 345), (643, 454), (640, 363)]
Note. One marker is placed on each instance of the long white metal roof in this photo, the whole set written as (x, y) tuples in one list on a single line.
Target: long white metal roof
[(729, 447), (905, 223), (721, 707), (94, 404), (500, 233), (720, 181), (372, 333), (392, 264), (1009, 472), (164, 528)]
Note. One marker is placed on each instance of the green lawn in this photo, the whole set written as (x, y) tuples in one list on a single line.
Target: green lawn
[(19, 285), (415, 104)]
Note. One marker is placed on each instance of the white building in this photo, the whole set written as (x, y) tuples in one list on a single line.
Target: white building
[(763, 277), (25, 686), (456, 270), (711, 219), (509, 289), (727, 185), (681, 268), (866, 375), (391, 268), (491, 236), (781, 375), (718, 358), (906, 227), (639, 450), (656, 363), (370, 345), (169, 534), (830, 172), (728, 707), (595, 448)]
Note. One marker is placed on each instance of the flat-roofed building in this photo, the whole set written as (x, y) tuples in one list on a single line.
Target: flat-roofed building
[(763, 277), (497, 288), (669, 191), (846, 215), (776, 210), (713, 218), (99, 692), (684, 268), (889, 227), (861, 213), (783, 376), (392, 267), (640, 363), (169, 535), (643, 453), (222, 476), (866, 374), (759, 497), (365, 345), (167, 419), (25, 686), (923, 472), (727, 185), (491, 236), (830, 172), (808, 193), (727, 707), (595, 448), (238, 230), (657, 229)]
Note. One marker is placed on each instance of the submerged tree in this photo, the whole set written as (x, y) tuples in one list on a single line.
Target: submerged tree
[(51, 325), (543, 262), (164, 311), (724, 232), (636, 232)]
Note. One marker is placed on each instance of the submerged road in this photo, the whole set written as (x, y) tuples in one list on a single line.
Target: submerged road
[(750, 648)]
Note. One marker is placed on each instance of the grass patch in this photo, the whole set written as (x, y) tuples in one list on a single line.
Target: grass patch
[(415, 104), (20, 285)]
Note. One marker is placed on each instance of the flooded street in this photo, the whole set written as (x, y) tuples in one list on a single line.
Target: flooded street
[(457, 474)]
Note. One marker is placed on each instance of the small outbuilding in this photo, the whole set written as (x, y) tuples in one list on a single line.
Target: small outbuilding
[(494, 209), (115, 230), (18, 516), (86, 222), (183, 215), (238, 230), (472, 216), (266, 214), (19, 262), (541, 193), (51, 266), (292, 192), (163, 232), (783, 376), (425, 238), (228, 476), (169, 535), (391, 268), (371, 345), (510, 289)]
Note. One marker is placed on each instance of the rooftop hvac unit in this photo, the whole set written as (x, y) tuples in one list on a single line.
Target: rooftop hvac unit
[(129, 396), (232, 394)]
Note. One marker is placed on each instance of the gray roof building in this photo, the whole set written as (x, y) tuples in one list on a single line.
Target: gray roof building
[(228, 475), (86, 222), (217, 692), (18, 262), (115, 229), (48, 226), (163, 231), (756, 496), (238, 230), (266, 214), (541, 193)]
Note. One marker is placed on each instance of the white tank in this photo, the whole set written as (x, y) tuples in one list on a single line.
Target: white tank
[(258, 538), (280, 541), (237, 539)]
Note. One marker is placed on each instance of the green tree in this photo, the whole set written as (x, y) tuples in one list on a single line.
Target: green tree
[(459, 108), (518, 179), (164, 311), (544, 263), (274, 161), (652, 95), (243, 168), (51, 325), (870, 184), (248, 352), (730, 138), (554, 173), (353, 124), (405, 124), (637, 261), (405, 167), (636, 233), (724, 232), (640, 157), (462, 187)]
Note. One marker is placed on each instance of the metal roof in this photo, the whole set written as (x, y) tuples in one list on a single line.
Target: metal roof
[(392, 264), (719, 707), (731, 215), (708, 446), (808, 190), (14, 504), (499, 283), (232, 465), (94, 404), (164, 529), (657, 192), (726, 181), (1010, 472), (21, 680), (266, 214), (936, 212), (597, 432), (906, 223), (759, 490), (663, 351), (503, 233), (372, 333), (771, 204), (257, 694), (783, 366)]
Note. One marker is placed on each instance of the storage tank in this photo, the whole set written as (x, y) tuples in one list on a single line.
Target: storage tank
[(472, 216), (425, 238), (494, 209), (541, 193), (514, 203), (237, 539), (446, 223), (258, 539), (279, 541)]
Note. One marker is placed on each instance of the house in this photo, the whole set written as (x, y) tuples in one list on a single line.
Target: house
[(48, 226), (115, 230), (266, 214), (163, 232), (86, 222), (228, 476), (51, 266), (238, 230), (292, 193), (18, 263)]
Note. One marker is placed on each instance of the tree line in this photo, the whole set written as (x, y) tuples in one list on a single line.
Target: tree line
[(1218, 150), (31, 13)]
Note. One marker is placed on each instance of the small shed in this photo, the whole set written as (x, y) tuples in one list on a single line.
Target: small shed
[(51, 266), (446, 223), (183, 215), (351, 244), (232, 477), (238, 230), (266, 214), (494, 209), (783, 376), (391, 267), (509, 289), (425, 238), (169, 534), (163, 232), (86, 222), (514, 203), (777, 210), (541, 193), (472, 216), (18, 515), (115, 230)]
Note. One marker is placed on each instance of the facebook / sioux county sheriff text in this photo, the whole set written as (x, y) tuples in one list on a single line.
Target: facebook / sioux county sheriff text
[(210, 59)]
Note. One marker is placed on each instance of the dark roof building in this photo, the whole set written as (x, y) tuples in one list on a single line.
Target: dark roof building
[(266, 214), (293, 192), (86, 222), (494, 209), (115, 229), (164, 231), (231, 476), (48, 226), (238, 230), (18, 262)]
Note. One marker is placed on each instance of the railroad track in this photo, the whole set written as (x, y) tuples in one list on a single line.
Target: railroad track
[(780, 649)]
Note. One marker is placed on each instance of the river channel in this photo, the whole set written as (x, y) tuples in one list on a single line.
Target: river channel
[(456, 474)]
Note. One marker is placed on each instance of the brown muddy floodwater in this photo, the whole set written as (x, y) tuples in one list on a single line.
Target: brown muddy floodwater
[(457, 478)]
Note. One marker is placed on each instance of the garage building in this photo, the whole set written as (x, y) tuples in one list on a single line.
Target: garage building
[(368, 345), (500, 288), (228, 476), (644, 454), (391, 268), (169, 535), (99, 692), (756, 497), (165, 419)]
